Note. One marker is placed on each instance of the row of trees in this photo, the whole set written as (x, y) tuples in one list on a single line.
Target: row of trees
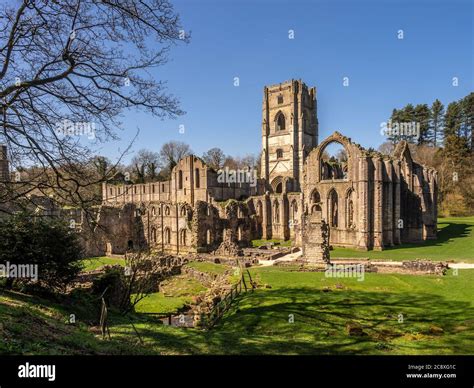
[(446, 142), (435, 123)]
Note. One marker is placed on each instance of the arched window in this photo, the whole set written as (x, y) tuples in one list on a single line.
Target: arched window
[(159, 211), (196, 178), (239, 233), (333, 208), (279, 153), (279, 188), (276, 212), (334, 162), (167, 236), (167, 211), (280, 122), (315, 197), (208, 237), (182, 237), (294, 210), (180, 180), (153, 211), (153, 235), (350, 210), (183, 211), (280, 99), (315, 202), (350, 214)]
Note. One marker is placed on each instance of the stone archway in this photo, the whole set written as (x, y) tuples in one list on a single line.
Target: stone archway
[(277, 185)]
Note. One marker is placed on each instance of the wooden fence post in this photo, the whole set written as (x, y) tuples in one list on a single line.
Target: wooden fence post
[(104, 328), (243, 280)]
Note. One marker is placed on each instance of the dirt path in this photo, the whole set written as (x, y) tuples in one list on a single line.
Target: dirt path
[(288, 257), (297, 255)]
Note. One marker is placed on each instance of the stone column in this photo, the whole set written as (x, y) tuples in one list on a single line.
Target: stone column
[(285, 221), (388, 212), (363, 208), (266, 217), (396, 204), (378, 204), (281, 228)]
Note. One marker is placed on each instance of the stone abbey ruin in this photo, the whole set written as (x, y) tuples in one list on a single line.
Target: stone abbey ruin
[(364, 200), (367, 201)]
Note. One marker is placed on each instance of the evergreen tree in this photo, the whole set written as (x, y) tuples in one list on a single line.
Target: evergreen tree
[(408, 113), (452, 120), (399, 119), (422, 116), (467, 119)]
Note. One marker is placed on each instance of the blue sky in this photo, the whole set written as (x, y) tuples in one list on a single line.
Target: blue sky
[(332, 39)]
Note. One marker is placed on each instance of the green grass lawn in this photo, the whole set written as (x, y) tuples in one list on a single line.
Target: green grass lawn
[(158, 303), (208, 267), (455, 242), (438, 318), (97, 262), (176, 293), (282, 243)]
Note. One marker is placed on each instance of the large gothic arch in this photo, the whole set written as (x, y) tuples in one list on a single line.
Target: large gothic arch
[(314, 157)]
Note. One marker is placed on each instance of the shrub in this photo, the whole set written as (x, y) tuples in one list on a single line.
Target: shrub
[(112, 285), (48, 243)]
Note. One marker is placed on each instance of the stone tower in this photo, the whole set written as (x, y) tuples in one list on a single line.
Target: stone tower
[(289, 133), (4, 169)]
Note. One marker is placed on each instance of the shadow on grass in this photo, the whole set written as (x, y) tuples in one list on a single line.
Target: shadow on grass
[(450, 232), (259, 323)]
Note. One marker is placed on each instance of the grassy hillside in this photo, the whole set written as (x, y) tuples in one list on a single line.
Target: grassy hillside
[(98, 262), (31, 325)]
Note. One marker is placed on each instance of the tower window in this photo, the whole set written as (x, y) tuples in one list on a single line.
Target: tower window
[(196, 178), (280, 123), (280, 99), (180, 180), (279, 153)]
